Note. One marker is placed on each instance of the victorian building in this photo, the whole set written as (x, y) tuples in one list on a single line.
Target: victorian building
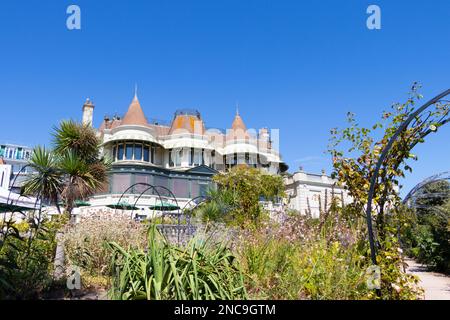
[(179, 157)]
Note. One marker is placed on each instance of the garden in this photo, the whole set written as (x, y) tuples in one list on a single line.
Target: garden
[(238, 251)]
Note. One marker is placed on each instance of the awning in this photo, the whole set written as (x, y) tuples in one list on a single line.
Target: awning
[(165, 206), (122, 206), (81, 203)]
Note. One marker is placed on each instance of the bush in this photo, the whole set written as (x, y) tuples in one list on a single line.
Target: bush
[(84, 243), (200, 270), (281, 264), (26, 259)]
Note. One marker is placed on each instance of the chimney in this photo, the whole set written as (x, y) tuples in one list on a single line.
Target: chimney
[(88, 112)]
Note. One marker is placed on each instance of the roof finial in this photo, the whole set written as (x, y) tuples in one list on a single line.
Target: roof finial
[(237, 108), (135, 91)]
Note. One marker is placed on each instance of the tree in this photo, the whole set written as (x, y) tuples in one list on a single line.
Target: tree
[(248, 186), (356, 150), (46, 181), (73, 170)]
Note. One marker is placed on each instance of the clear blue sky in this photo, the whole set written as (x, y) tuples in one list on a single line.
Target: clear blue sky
[(294, 65)]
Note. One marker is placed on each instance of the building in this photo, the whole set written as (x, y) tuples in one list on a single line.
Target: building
[(17, 157), (180, 157), (311, 193)]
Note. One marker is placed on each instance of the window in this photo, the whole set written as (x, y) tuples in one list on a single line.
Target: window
[(2, 151), (146, 154), (196, 157), (153, 150), (161, 181), (120, 182), (175, 157), (129, 151), (120, 152), (138, 152), (191, 157), (114, 152), (19, 153), (181, 187)]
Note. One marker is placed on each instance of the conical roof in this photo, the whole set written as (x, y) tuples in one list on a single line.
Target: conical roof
[(238, 123), (134, 115), (238, 128), (187, 120)]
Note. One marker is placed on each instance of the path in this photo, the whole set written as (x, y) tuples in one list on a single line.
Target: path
[(436, 285)]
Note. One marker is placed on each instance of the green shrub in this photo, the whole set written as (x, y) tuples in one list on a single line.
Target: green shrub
[(314, 269), (198, 271), (26, 259)]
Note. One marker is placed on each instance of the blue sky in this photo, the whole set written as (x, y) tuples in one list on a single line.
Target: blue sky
[(294, 65)]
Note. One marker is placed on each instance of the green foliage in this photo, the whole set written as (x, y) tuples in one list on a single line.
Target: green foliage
[(243, 188), (198, 271), (300, 260), (26, 260), (220, 203), (395, 283), (429, 236), (46, 181), (356, 150), (72, 170)]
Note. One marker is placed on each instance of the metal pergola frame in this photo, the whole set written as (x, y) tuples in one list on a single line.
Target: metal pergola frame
[(383, 156)]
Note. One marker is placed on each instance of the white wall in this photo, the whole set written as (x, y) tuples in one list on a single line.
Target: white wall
[(5, 175)]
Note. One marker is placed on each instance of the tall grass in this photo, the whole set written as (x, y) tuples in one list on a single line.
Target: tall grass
[(198, 271), (296, 260)]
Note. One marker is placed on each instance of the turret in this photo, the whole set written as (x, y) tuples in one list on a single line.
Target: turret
[(88, 112)]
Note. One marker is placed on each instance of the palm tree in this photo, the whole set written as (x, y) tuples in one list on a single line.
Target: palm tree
[(47, 179), (74, 170), (85, 171)]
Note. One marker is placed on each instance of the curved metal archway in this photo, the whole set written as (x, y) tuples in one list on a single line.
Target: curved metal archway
[(384, 154), (443, 176), (197, 204), (134, 185)]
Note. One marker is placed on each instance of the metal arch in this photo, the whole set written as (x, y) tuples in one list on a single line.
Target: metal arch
[(205, 198), (15, 179), (36, 207), (174, 197), (140, 195), (171, 193), (383, 155), (132, 186), (435, 178)]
